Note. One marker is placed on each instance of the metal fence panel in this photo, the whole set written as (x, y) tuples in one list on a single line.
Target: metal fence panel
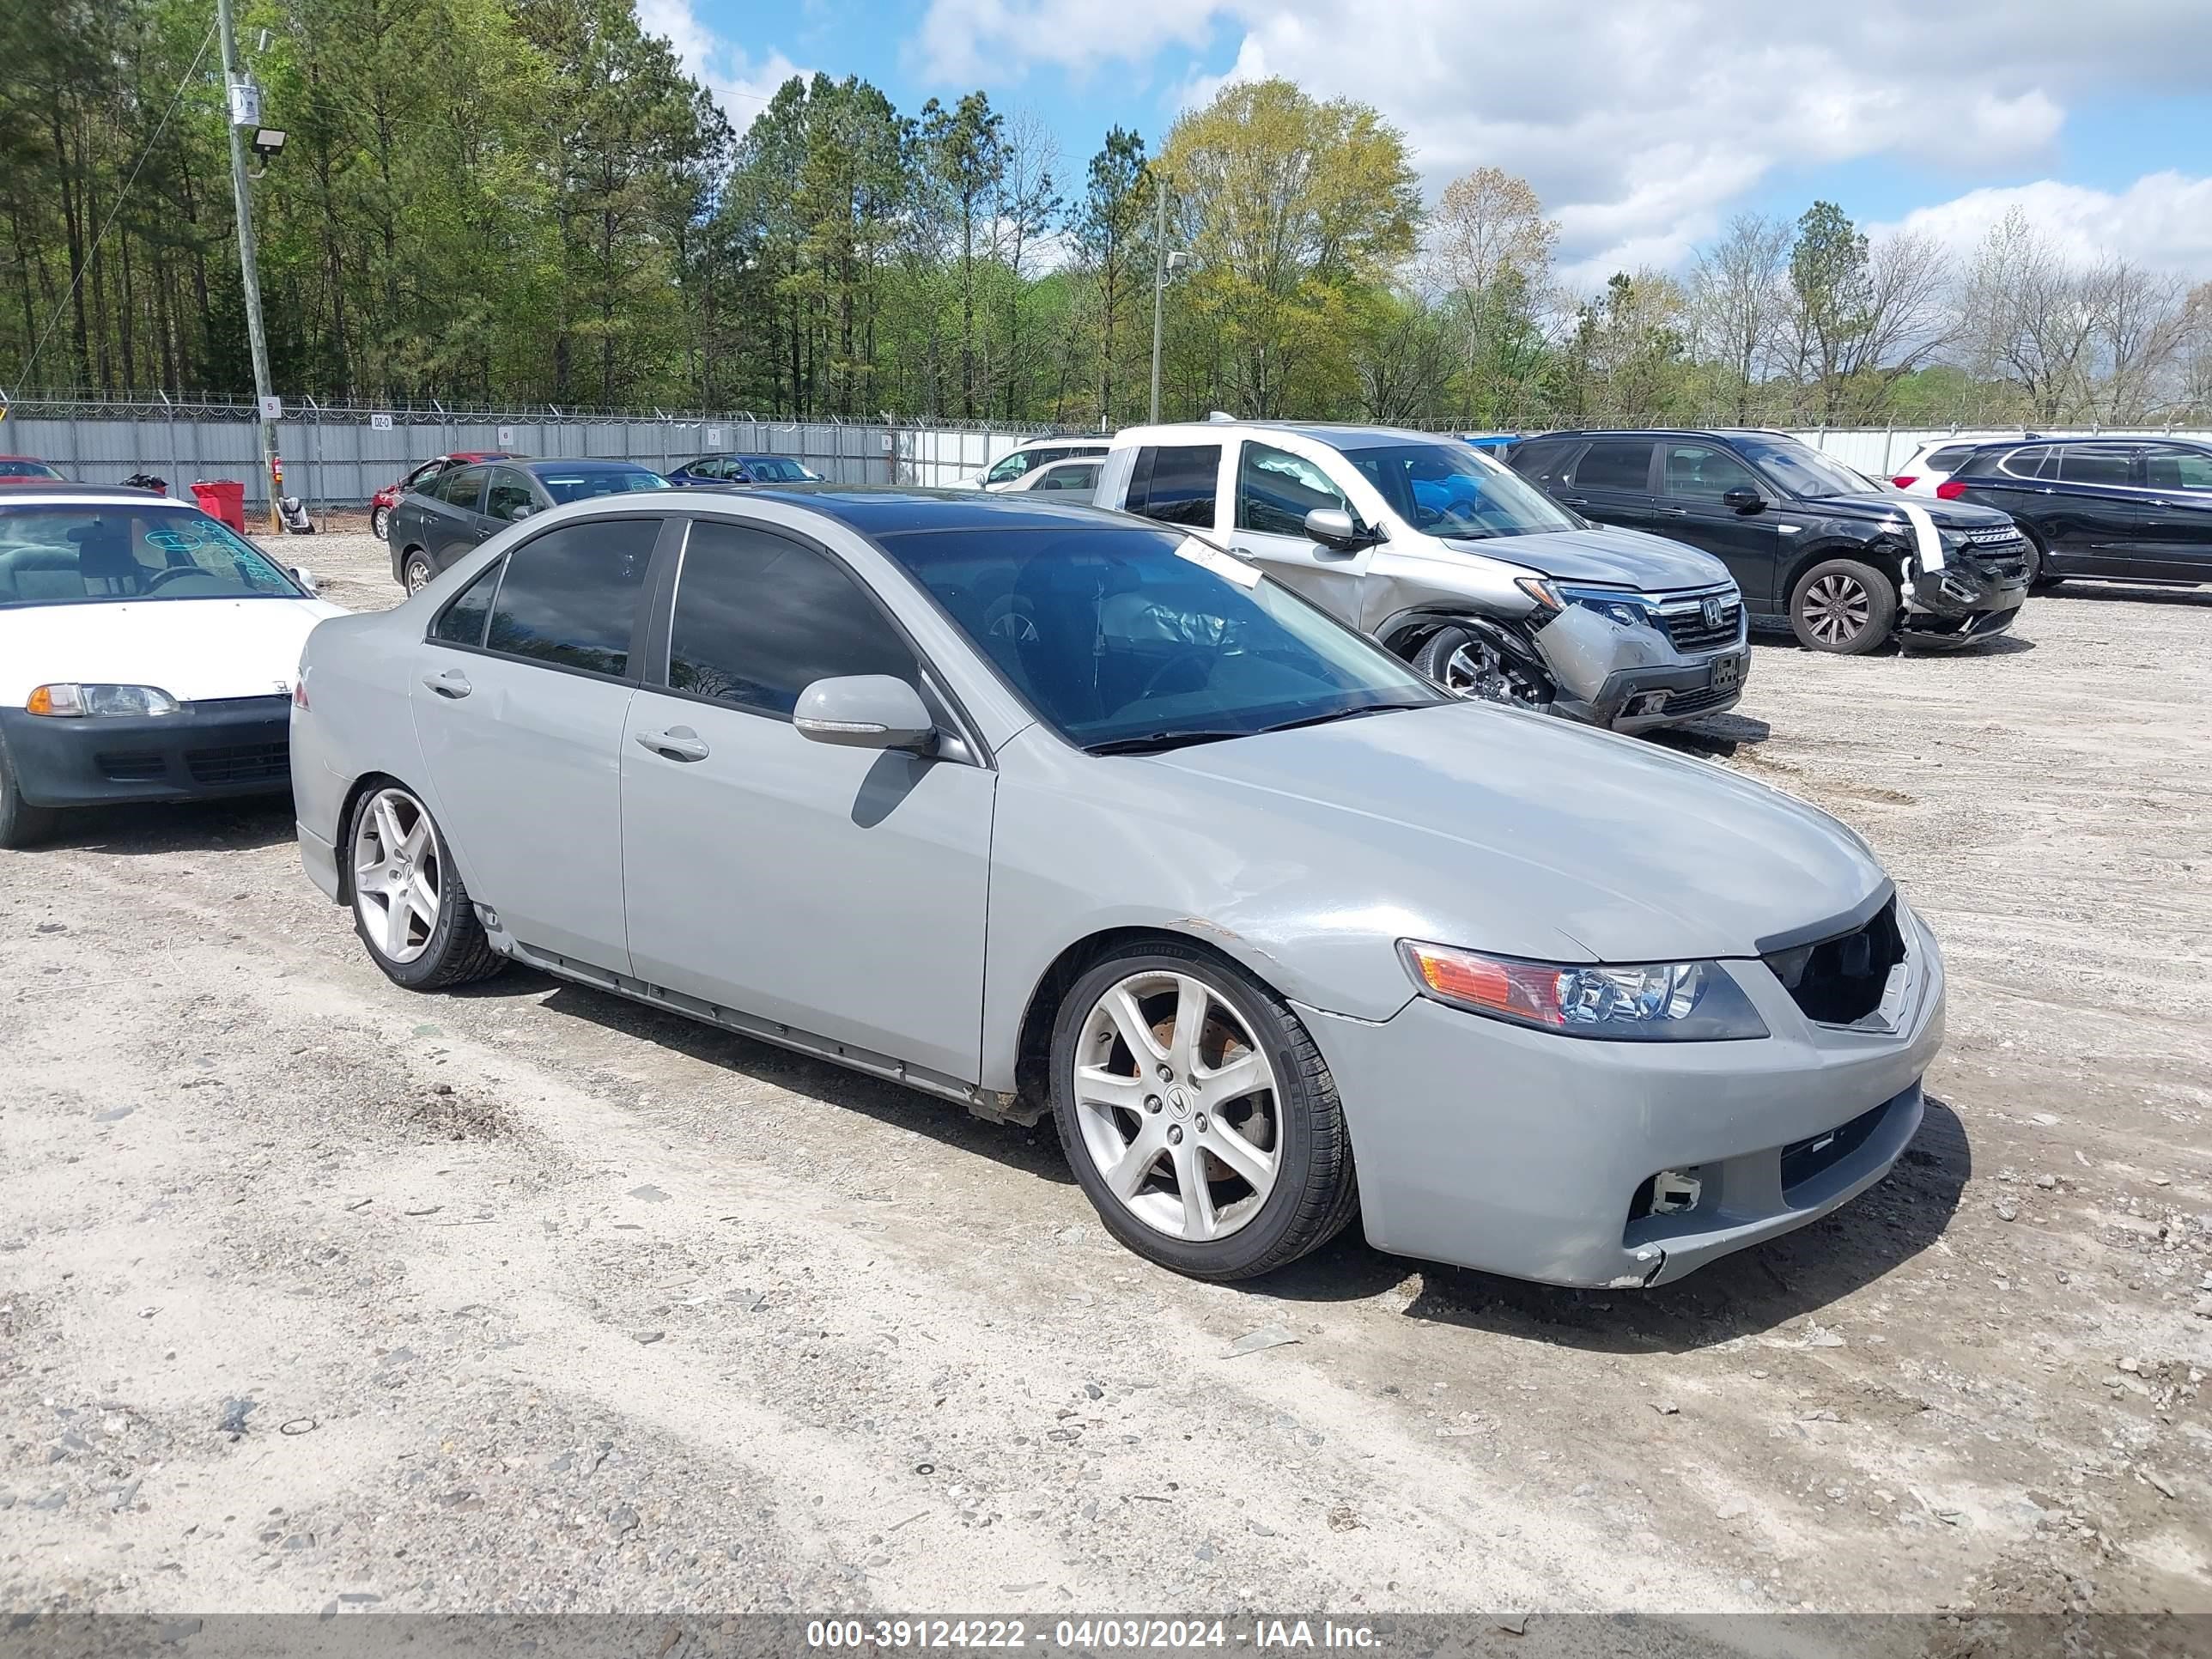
[(339, 457)]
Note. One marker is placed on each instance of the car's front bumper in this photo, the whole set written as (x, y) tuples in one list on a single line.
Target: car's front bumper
[(1485, 1144), (233, 746), (1635, 679), (1968, 598)]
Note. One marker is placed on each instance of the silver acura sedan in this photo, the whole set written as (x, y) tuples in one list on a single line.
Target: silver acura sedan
[(1043, 809)]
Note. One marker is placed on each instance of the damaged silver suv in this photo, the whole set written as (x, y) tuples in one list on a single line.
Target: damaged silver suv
[(1455, 563)]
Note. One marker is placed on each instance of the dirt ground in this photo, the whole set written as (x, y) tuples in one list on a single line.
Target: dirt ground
[(313, 1292)]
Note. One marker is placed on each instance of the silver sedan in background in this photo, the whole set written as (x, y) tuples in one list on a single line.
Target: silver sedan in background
[(1043, 809)]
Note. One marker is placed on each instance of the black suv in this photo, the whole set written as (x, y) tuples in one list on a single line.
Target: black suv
[(1842, 562), (2138, 509)]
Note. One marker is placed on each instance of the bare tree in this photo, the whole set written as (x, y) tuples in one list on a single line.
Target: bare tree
[(1027, 206), (1740, 302), (2194, 386), (2138, 318), (2027, 317), (1487, 259)]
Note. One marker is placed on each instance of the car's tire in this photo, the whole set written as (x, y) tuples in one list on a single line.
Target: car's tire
[(410, 905), (2040, 577), (1843, 607), (1270, 1165), (380, 521), (22, 824), (416, 571), (1467, 663)]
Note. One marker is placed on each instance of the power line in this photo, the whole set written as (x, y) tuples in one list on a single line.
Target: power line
[(77, 282)]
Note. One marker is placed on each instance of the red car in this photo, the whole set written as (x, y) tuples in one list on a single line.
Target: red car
[(22, 468), (381, 503)]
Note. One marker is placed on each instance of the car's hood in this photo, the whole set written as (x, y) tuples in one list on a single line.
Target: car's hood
[(193, 649), (1520, 834), (1947, 515), (1618, 558)]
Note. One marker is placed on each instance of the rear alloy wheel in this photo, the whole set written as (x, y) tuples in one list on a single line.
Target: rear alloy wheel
[(1467, 663), (417, 572), (1198, 1116), (380, 521), (1843, 607), (409, 906)]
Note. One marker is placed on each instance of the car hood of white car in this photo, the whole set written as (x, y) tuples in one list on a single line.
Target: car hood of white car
[(195, 650)]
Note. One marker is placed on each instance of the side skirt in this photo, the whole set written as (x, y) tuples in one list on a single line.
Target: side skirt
[(990, 1104)]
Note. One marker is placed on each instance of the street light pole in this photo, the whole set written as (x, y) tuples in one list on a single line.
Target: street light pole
[(1159, 286), (235, 116)]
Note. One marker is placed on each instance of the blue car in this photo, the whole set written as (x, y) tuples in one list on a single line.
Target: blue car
[(744, 470)]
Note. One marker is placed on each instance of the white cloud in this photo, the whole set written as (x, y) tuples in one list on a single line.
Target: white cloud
[(2164, 220), (740, 83), (1641, 123)]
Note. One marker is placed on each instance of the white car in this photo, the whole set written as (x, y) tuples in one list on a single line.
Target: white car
[(1009, 468), (1938, 458), (1075, 480), (147, 653)]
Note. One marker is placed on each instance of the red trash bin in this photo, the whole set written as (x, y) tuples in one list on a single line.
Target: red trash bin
[(223, 499)]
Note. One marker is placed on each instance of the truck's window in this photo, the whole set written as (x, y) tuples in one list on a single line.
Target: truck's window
[(1275, 490), (1176, 484)]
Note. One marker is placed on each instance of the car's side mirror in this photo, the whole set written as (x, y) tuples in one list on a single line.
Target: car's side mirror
[(1743, 499), (516, 515), (1333, 527), (864, 711), (306, 578)]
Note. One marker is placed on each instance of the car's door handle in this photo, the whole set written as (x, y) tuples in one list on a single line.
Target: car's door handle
[(1673, 512), (677, 743), (2158, 503), (448, 682), (1575, 501)]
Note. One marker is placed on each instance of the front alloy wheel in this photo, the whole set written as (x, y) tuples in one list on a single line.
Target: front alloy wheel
[(1843, 607), (1198, 1115), (1467, 663)]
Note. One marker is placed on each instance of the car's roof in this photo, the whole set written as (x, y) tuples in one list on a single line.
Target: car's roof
[(475, 455), (40, 459), (1979, 444), (1336, 435), (57, 492), (890, 510), (582, 465)]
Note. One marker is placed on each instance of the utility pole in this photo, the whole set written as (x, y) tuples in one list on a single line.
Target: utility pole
[(241, 109), (1159, 284)]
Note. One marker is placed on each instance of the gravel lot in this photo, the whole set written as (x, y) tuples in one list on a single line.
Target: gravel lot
[(528, 1299)]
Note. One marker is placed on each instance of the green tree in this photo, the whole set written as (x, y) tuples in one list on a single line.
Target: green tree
[(1108, 227)]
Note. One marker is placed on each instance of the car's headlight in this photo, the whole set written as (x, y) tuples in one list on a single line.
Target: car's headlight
[(1625, 609), (71, 700), (1641, 1002)]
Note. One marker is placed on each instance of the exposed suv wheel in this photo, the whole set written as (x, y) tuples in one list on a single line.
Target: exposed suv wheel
[(410, 905), (1843, 607), (1198, 1115), (1467, 663)]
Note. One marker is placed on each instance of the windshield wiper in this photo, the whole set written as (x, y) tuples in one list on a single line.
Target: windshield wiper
[(1342, 714), (1153, 743)]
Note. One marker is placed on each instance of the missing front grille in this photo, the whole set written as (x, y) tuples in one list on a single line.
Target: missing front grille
[(1840, 979)]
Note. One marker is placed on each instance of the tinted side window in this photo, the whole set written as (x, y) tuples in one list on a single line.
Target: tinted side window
[(758, 619), (462, 622), (571, 596), (2029, 462), (511, 497), (2095, 464), (1276, 489), (1612, 465), (1544, 462), (2179, 469), (461, 487), (1947, 459), (1700, 472), (1175, 483)]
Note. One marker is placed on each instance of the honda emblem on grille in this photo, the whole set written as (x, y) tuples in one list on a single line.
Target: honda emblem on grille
[(1712, 612)]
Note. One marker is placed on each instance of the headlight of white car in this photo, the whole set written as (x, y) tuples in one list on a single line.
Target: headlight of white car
[(1643, 1002), (71, 700)]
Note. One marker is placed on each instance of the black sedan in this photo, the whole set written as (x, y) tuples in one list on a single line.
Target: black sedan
[(434, 525), (744, 470), (2133, 509)]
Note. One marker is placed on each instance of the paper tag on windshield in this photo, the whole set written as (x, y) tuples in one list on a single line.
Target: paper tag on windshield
[(1226, 565)]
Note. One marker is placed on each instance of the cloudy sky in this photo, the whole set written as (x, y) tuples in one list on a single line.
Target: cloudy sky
[(1642, 123)]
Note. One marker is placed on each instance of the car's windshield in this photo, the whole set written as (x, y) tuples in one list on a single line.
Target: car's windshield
[(10, 468), (1114, 633), (1450, 490), (1802, 470), (565, 484), (88, 555), (776, 469)]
